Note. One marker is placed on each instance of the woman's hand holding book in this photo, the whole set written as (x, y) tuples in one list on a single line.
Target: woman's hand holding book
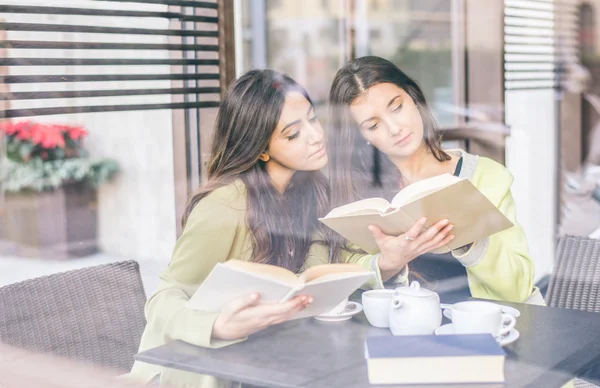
[(397, 252), (247, 315)]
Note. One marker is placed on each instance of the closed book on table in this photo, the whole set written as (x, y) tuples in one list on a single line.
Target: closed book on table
[(432, 359)]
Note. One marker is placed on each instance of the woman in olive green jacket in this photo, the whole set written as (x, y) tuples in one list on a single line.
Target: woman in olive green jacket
[(261, 202)]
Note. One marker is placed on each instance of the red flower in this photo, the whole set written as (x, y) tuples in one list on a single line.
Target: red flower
[(51, 137), (23, 132), (47, 139), (76, 133), (8, 128)]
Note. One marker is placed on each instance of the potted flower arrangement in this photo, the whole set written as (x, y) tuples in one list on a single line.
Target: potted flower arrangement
[(50, 186)]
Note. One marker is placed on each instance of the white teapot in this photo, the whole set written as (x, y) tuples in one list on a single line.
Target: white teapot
[(415, 311)]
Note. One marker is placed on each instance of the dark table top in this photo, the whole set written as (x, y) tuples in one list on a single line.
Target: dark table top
[(555, 345)]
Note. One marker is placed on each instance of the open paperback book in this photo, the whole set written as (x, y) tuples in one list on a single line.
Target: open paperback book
[(328, 284), (441, 197)]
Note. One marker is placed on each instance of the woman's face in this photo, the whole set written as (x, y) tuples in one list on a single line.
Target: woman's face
[(389, 119), (297, 144)]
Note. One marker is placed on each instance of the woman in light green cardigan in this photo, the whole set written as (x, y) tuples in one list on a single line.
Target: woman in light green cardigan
[(262, 202), (380, 117)]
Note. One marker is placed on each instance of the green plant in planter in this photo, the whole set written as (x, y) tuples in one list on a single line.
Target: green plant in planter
[(43, 157)]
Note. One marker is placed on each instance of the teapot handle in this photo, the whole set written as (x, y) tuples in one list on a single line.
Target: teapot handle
[(396, 303), (448, 313)]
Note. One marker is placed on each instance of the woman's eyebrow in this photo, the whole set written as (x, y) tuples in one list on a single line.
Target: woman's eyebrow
[(393, 99), (388, 105), (310, 109), (290, 125)]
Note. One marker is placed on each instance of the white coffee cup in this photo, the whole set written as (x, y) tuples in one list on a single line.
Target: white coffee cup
[(337, 310), (377, 305), (473, 317)]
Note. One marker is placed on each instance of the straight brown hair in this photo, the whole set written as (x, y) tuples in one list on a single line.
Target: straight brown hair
[(282, 225)]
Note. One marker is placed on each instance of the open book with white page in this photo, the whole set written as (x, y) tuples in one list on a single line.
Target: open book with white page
[(441, 197), (328, 284)]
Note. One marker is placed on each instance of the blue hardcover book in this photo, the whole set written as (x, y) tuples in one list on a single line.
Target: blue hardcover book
[(433, 359)]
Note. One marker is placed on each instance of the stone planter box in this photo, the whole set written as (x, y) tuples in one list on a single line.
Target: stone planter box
[(60, 224)]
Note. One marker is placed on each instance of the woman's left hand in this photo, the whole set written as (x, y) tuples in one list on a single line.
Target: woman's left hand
[(397, 252)]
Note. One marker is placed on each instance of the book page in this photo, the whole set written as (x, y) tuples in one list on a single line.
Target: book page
[(324, 270), (356, 228), (474, 217), (271, 271), (226, 283), (423, 188), (329, 292), (365, 206)]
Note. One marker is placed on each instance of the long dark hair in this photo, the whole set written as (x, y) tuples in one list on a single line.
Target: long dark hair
[(282, 226), (357, 170)]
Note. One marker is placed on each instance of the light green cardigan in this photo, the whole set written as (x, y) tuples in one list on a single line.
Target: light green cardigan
[(498, 268)]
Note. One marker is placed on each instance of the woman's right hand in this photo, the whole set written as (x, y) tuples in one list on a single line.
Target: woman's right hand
[(247, 315), (398, 251)]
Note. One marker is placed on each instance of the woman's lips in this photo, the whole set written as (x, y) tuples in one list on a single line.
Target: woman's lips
[(319, 153), (403, 140)]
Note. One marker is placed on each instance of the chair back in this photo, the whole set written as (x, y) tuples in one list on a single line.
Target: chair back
[(575, 281), (94, 314)]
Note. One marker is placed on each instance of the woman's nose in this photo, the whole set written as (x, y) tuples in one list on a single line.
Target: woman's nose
[(392, 126), (316, 134)]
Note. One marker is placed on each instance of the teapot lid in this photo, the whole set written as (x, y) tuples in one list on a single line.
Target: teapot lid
[(415, 290)]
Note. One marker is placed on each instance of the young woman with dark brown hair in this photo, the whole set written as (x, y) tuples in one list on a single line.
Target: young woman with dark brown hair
[(383, 137)]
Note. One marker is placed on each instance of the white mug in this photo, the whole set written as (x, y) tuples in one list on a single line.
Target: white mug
[(473, 317), (376, 305)]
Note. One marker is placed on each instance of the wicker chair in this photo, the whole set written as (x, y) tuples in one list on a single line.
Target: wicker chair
[(575, 283), (93, 314)]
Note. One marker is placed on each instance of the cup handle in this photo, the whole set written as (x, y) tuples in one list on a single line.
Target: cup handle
[(508, 323), (396, 303), (448, 313)]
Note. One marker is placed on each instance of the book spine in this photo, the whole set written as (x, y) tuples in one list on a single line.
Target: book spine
[(292, 293)]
